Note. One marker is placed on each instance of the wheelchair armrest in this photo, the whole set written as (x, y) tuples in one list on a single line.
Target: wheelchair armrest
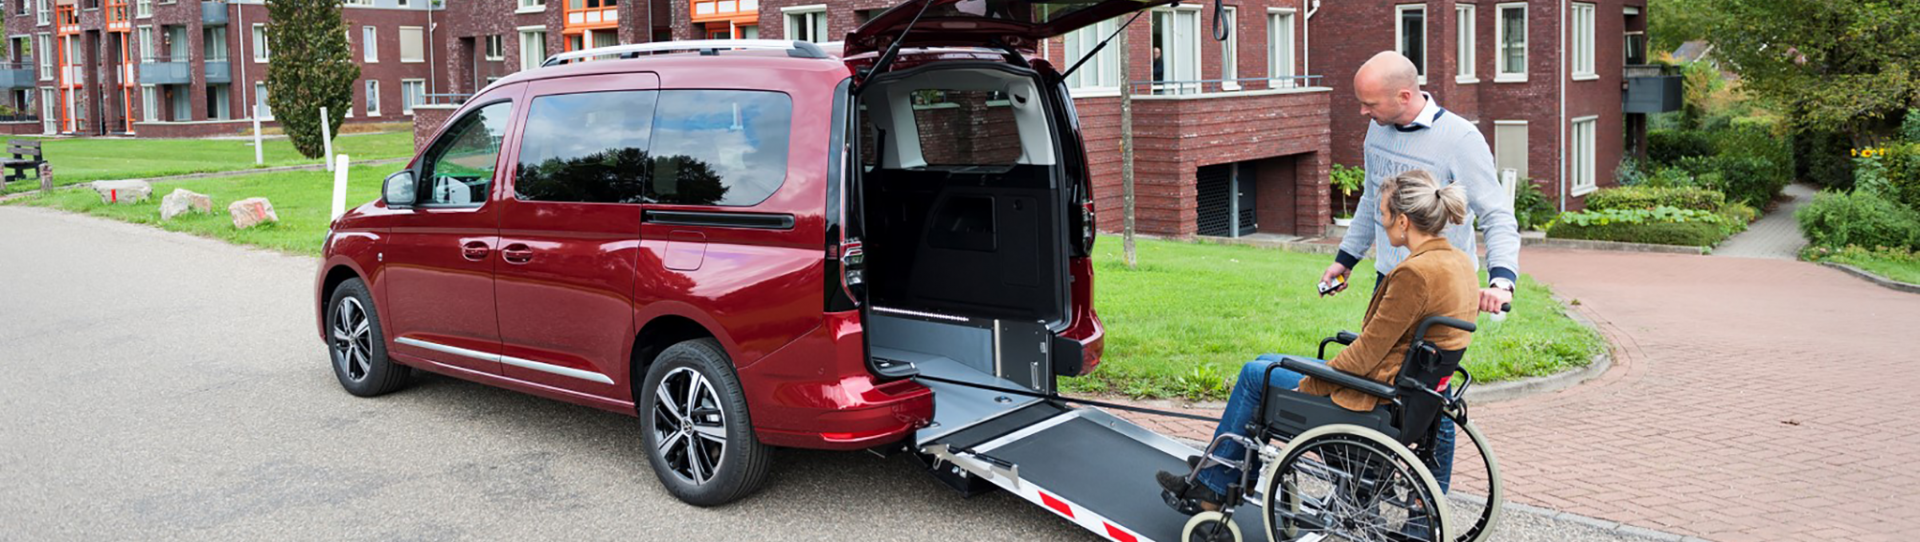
[(1327, 373), (1420, 332), (1344, 337)]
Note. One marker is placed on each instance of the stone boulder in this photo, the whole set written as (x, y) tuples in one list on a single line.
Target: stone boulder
[(123, 191), (250, 212), (183, 201)]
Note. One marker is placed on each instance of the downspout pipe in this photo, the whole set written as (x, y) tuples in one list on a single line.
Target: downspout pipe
[(1306, 37)]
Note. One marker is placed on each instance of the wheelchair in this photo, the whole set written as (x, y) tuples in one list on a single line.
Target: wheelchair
[(1347, 475)]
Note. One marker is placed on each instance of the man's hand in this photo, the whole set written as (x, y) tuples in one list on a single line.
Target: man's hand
[(1492, 298), (1337, 271)]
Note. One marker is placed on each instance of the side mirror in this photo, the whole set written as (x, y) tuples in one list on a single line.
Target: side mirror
[(399, 190)]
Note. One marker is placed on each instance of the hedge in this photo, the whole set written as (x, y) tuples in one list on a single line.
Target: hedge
[(1669, 146), (1821, 158), (1648, 197), (1697, 234), (1862, 218)]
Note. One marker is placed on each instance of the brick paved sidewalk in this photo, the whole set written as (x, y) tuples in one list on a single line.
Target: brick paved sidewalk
[(1750, 399), (1776, 235)]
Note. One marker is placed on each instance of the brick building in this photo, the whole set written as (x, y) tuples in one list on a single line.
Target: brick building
[(184, 68), (1547, 82)]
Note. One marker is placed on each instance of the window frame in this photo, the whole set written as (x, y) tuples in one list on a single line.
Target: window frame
[(371, 101), (1466, 56), (143, 42), (262, 47), (1501, 75), (528, 62), (1584, 177), (493, 48), (790, 14), (434, 152), (422, 33), (142, 9), (42, 12), (1277, 77), (1174, 14), (1105, 65), (530, 6), (1581, 41), (406, 100), (45, 53), (1400, 37), (369, 44), (1230, 51)]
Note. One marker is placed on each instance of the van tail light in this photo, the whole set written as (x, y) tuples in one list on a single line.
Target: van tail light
[(1086, 224), (853, 260)]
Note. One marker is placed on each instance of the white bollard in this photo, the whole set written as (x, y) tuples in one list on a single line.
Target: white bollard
[(259, 156), (339, 188), (326, 138)]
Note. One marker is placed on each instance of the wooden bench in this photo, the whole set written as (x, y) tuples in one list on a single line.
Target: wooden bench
[(25, 162)]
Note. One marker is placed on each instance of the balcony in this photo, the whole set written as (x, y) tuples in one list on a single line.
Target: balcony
[(213, 13), (740, 12), (17, 75), (217, 71), (592, 14), (119, 16), (1651, 90), (66, 21)]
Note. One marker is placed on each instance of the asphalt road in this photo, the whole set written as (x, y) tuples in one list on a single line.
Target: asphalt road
[(159, 386)]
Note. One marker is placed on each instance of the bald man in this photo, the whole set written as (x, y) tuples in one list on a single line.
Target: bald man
[(1411, 131)]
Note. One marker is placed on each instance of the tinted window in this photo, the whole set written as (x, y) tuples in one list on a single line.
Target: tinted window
[(719, 147), (459, 166), (586, 147), (966, 127)]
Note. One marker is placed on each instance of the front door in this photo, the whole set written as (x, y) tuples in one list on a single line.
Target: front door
[(570, 232), (439, 256)]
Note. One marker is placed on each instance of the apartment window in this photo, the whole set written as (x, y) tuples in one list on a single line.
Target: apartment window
[(1280, 40), (260, 107), (214, 39), (48, 122), (404, 3), (533, 47), (146, 44), (1230, 51), (533, 5), (1410, 35), (260, 50), (20, 7), (369, 44), (1465, 39), (1583, 154), (42, 13), (412, 92), (807, 23), (143, 8), (413, 45), (217, 104), (46, 56), (359, 2), (494, 49), (149, 103), (1511, 29), (373, 97), (1583, 42), (1103, 70), (1176, 33)]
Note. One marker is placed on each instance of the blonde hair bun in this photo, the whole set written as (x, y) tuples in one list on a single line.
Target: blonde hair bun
[(1416, 195)]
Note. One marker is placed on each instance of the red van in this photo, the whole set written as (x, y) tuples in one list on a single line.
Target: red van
[(747, 244)]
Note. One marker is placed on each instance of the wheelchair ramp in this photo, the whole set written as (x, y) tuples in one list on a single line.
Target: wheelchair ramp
[(1084, 465)]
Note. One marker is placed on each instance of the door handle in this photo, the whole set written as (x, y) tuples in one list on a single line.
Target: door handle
[(517, 253), (475, 250)]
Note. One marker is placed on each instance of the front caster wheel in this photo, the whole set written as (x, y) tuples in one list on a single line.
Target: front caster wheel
[(1210, 527)]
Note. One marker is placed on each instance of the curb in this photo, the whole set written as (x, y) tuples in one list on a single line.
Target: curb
[(1515, 389), (1616, 246), (1876, 279)]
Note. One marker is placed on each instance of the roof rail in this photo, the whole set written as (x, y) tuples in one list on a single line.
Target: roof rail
[(796, 49)]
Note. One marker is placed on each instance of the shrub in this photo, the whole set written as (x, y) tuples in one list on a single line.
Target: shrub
[(1861, 217), (1530, 206), (1669, 146), (1739, 214), (1660, 225), (1821, 158), (1648, 197), (1900, 165), (1631, 172), (1910, 128), (1670, 177), (1747, 179), (1754, 137)]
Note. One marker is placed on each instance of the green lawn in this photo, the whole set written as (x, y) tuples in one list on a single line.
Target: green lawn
[(1184, 322), (1180, 325), (1893, 267), (302, 199), (78, 160)]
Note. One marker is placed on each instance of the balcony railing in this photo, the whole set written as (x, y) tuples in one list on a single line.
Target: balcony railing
[(166, 73), (1650, 89), (66, 20), (1198, 87), (17, 74), (721, 10), (119, 16), (592, 14), (213, 13), (444, 99)]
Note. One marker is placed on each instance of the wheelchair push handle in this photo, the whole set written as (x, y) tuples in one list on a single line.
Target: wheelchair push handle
[(1504, 309)]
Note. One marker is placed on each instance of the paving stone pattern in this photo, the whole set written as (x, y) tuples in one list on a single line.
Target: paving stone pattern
[(1776, 235), (1750, 399)]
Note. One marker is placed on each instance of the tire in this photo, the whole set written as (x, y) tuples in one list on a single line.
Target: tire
[(1428, 511), (718, 460), (1210, 527), (357, 346), (1489, 517)]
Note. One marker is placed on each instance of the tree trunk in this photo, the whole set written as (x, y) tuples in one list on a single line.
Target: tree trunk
[(1126, 151)]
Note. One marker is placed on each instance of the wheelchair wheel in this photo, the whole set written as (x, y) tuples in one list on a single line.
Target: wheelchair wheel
[(1210, 527), (1351, 483), (1478, 521)]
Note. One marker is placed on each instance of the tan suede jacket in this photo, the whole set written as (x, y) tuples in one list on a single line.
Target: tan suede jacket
[(1436, 279)]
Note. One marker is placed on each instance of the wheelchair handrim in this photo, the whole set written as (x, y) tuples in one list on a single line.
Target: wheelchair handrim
[(1496, 497), (1272, 471)]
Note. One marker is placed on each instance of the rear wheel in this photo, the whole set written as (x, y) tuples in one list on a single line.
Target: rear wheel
[(356, 345), (694, 415), (1346, 482), (1479, 521)]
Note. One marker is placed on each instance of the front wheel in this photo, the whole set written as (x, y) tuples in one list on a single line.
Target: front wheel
[(356, 345), (694, 415), (1210, 527)]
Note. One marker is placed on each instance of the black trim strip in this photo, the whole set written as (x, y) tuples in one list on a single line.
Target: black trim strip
[(759, 221)]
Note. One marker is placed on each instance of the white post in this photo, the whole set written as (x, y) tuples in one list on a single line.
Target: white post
[(259, 155), (326, 138), (339, 187)]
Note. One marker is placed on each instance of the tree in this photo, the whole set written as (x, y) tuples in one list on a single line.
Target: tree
[(1848, 66), (1673, 22), (310, 68)]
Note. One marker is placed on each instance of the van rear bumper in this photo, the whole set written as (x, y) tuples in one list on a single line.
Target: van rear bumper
[(817, 393)]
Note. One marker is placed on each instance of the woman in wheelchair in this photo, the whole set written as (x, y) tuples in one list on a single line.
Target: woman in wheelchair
[(1435, 280)]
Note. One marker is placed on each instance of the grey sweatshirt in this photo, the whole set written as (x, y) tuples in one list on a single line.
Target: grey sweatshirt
[(1454, 151)]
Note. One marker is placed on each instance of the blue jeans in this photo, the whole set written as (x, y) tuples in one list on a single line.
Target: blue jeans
[(1244, 403)]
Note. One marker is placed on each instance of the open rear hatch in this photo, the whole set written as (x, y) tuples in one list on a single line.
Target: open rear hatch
[(1019, 24)]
